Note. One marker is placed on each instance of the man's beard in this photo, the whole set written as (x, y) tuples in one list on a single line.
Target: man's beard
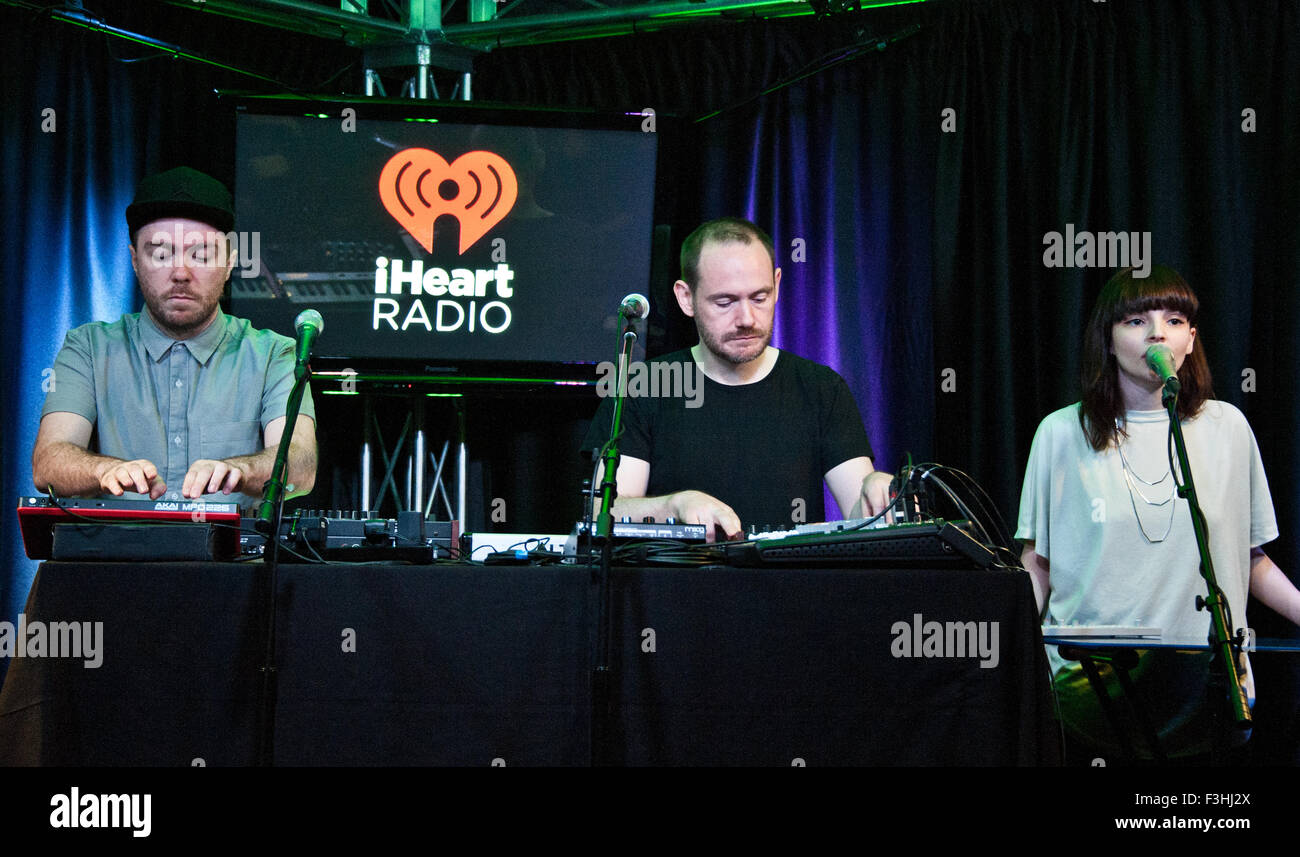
[(716, 346), (183, 322)]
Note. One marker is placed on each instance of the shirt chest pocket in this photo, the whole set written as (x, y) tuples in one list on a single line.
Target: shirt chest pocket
[(227, 440)]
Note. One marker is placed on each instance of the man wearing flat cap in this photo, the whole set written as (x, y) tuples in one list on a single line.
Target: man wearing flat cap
[(179, 400)]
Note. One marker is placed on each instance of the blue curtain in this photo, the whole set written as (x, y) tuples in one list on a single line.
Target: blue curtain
[(85, 117), (852, 241), (71, 154)]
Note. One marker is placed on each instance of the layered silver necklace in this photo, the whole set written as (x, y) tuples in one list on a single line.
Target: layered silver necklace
[(1134, 492)]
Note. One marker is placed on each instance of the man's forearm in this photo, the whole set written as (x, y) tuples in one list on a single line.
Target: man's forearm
[(637, 509), (686, 507), (71, 470), (301, 470)]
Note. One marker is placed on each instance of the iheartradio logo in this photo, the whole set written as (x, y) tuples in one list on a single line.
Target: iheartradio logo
[(418, 186)]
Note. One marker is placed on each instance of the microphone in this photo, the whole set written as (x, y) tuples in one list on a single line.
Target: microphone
[(1161, 361), (307, 326), (635, 306)]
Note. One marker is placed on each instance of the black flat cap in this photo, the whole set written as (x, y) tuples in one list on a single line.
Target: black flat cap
[(181, 192)]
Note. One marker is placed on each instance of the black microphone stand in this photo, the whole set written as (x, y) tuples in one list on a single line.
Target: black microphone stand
[(269, 515), (1223, 666), (601, 677)]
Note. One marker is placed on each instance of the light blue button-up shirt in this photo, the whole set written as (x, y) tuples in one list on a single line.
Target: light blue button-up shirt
[(175, 401)]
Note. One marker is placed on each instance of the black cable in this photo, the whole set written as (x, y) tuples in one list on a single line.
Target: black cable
[(965, 510), (987, 507), (995, 546)]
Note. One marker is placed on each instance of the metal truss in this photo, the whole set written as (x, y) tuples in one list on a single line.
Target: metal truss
[(486, 24), (417, 37)]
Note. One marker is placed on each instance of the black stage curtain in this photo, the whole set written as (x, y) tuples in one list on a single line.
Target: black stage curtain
[(1174, 118), (1110, 117), (924, 280)]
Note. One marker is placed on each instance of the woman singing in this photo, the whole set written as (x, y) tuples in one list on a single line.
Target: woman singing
[(1108, 541)]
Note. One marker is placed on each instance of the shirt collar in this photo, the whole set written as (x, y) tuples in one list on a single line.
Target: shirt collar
[(157, 343)]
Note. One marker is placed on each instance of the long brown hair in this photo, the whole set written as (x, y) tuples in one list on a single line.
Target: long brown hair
[(1123, 296)]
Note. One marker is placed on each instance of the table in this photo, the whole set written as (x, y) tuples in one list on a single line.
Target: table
[(480, 665)]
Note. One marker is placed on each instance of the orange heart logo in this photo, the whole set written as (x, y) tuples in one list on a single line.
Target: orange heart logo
[(413, 183)]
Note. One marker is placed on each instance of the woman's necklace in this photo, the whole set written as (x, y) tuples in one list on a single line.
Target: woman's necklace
[(1134, 492)]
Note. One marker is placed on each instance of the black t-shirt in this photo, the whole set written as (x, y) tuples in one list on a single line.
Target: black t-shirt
[(758, 447)]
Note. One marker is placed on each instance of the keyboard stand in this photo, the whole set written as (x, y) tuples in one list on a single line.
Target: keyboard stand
[(1120, 662)]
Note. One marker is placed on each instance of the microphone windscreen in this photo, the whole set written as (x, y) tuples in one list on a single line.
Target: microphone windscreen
[(309, 317)]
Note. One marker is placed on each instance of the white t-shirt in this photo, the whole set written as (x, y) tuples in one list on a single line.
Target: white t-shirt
[(1078, 509)]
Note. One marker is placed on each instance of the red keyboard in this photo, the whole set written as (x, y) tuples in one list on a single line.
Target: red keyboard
[(38, 515)]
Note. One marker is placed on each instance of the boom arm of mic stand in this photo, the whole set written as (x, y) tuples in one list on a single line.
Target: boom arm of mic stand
[(1220, 634)]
